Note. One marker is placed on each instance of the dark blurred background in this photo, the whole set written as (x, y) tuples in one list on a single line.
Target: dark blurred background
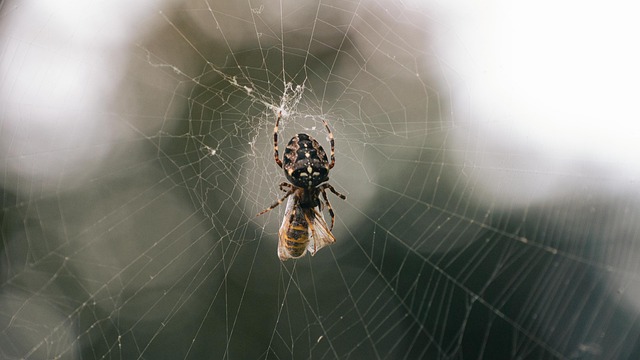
[(488, 152)]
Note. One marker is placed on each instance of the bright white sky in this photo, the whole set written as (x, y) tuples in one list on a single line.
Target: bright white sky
[(564, 76), (559, 77)]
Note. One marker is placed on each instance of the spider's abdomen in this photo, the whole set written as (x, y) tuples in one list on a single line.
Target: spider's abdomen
[(305, 163)]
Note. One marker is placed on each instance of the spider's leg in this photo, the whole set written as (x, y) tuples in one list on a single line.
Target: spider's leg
[(277, 203), (285, 185), (327, 186), (326, 200), (333, 157), (275, 139)]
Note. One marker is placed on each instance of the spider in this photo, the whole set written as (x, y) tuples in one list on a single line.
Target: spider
[(306, 166)]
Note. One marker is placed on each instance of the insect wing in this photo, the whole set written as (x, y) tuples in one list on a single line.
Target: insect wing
[(321, 236), (293, 233)]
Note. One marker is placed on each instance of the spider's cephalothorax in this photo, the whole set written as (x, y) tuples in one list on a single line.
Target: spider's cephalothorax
[(306, 166)]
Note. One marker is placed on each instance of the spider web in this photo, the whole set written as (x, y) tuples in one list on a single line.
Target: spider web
[(137, 149)]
